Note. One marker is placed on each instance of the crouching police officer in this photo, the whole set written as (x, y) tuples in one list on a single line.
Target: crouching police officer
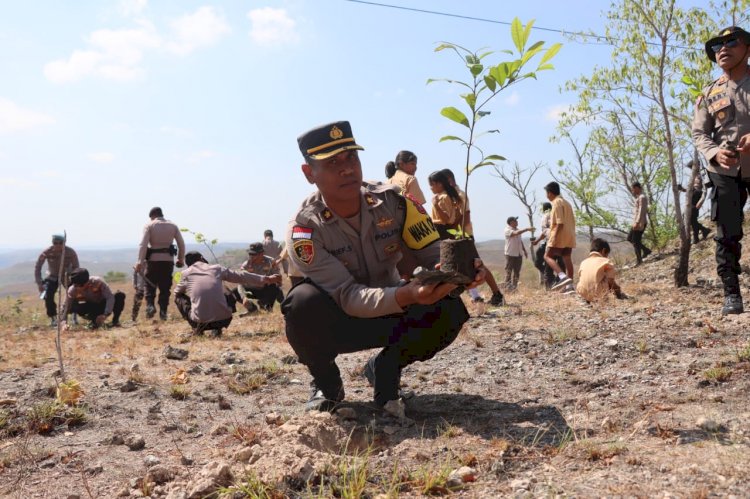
[(346, 239), (721, 132), (91, 297)]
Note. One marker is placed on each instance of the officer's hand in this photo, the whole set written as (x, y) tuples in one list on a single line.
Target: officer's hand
[(481, 274), (727, 158), (423, 294), (272, 279), (100, 319), (744, 143), (138, 267), (41, 287), (180, 264), (698, 206)]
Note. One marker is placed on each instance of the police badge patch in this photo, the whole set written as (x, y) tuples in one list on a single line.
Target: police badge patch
[(305, 250), (303, 244)]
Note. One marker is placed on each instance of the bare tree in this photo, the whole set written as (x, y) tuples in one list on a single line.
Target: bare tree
[(518, 179)]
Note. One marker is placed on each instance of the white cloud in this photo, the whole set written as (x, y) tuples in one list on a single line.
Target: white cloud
[(513, 99), (200, 156), (115, 54), (271, 26), (553, 113), (14, 118), (202, 28), (181, 133), (101, 157), (118, 54)]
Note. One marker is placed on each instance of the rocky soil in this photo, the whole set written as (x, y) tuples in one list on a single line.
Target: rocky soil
[(545, 397)]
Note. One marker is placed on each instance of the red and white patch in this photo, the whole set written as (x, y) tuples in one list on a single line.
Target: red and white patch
[(301, 233)]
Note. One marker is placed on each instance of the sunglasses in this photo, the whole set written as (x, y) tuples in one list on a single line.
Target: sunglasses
[(730, 43)]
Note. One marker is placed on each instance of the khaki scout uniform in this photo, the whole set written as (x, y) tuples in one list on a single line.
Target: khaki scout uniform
[(722, 116), (358, 268), (408, 184)]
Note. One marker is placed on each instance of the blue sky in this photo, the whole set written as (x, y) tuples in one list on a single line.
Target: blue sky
[(110, 108)]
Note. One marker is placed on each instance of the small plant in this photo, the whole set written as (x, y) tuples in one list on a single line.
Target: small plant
[(744, 354), (252, 487), (210, 244), (179, 392), (245, 381), (431, 479), (115, 276), (595, 452), (449, 430), (718, 374), (245, 434)]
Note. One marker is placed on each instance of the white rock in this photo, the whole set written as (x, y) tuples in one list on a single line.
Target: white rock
[(708, 425), (396, 408), (151, 460)]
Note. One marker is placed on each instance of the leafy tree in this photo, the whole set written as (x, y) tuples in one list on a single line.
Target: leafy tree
[(485, 83)]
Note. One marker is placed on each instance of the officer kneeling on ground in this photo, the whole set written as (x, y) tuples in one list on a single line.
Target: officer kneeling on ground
[(346, 239), (259, 263), (90, 297), (200, 296)]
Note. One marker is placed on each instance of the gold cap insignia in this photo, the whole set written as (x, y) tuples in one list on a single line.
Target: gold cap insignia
[(725, 32), (326, 214), (369, 199), (336, 133)]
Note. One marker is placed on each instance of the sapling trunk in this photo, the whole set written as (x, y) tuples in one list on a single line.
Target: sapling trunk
[(61, 307)]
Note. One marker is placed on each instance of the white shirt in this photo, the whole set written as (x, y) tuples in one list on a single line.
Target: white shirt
[(513, 243)]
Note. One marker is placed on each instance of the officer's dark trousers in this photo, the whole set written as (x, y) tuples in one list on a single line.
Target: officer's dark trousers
[(541, 265), (91, 310), (158, 275), (636, 239), (184, 305), (694, 223), (318, 330), (727, 201), (50, 286)]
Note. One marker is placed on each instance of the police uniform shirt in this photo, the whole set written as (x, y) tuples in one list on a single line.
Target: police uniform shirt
[(202, 283), (52, 256), (271, 248), (358, 268), (267, 266), (722, 115), (94, 291), (159, 233)]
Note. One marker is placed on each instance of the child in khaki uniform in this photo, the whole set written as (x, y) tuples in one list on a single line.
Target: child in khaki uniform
[(596, 275)]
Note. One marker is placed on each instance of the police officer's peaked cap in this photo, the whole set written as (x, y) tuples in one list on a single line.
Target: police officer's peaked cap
[(192, 257), (255, 249), (327, 140), (725, 34), (58, 238), (79, 276)]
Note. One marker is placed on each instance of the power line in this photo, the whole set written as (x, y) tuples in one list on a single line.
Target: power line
[(506, 23)]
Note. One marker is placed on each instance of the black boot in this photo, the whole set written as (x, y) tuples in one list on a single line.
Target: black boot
[(732, 305), (324, 399)]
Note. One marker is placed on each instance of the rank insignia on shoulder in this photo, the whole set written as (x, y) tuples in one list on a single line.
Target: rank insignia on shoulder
[(327, 214), (370, 200), (391, 248), (721, 115), (384, 222), (299, 232), (305, 250)]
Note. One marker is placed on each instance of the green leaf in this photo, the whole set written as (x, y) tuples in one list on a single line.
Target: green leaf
[(500, 73), (485, 54), (516, 32), (184, 229), (471, 100), (452, 137), (550, 53), (454, 114), (476, 69), (214, 242), (490, 82), (536, 46), (479, 165), (545, 67), (444, 46), (482, 114), (527, 32), (495, 157)]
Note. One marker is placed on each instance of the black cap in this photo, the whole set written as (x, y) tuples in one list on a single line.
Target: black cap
[(327, 140), (58, 238), (194, 256), (79, 276), (725, 34), (255, 248), (511, 219)]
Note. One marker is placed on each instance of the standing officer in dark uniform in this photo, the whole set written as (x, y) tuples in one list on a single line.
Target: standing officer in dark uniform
[(721, 132), (48, 285), (156, 253), (347, 239)]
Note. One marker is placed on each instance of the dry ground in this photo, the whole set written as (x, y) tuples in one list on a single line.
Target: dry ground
[(546, 397)]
